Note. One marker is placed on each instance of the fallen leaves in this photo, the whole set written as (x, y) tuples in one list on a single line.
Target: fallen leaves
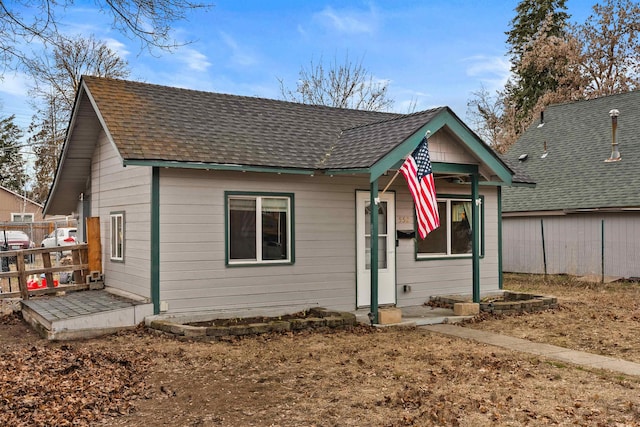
[(64, 386)]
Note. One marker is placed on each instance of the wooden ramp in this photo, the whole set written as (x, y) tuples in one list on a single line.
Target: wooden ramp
[(84, 314)]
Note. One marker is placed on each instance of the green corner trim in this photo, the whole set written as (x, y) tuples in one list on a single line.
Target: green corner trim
[(155, 240)]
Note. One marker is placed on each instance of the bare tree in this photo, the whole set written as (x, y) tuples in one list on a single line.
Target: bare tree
[(611, 49), (149, 21), (347, 85), (485, 111), (57, 79)]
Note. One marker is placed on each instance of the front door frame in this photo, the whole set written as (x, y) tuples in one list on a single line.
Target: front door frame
[(385, 277)]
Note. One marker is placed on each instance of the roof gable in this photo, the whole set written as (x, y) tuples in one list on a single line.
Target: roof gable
[(573, 174)]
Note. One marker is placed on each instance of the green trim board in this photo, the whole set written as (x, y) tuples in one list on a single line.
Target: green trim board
[(397, 154), (454, 168), (475, 249), (500, 274), (477, 147), (217, 166), (155, 239), (257, 263)]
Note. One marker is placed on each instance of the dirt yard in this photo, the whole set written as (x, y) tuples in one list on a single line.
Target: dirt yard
[(391, 377)]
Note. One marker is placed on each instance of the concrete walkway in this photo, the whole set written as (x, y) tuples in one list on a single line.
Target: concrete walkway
[(548, 351)]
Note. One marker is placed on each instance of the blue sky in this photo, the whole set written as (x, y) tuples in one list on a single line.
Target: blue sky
[(430, 52)]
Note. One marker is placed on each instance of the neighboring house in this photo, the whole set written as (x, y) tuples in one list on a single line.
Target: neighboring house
[(583, 215), (17, 208), (245, 205)]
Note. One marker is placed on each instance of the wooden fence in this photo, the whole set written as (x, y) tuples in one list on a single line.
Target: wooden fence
[(85, 265), (79, 267)]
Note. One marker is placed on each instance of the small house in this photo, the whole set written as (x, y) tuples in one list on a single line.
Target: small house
[(244, 205)]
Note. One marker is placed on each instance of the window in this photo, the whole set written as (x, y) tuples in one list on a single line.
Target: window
[(259, 228), (453, 237), (22, 217), (117, 236)]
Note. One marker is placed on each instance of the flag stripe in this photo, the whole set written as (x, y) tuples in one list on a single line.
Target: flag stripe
[(417, 171)]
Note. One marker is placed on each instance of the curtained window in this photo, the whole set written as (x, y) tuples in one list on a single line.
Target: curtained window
[(454, 236)]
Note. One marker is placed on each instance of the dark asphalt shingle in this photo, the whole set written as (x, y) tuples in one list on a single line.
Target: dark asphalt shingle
[(151, 122), (574, 175)]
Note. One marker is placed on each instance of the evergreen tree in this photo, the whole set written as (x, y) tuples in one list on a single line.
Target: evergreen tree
[(535, 19), (12, 171)]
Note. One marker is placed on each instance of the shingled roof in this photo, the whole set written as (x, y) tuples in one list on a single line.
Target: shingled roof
[(152, 125), (151, 122), (573, 175)]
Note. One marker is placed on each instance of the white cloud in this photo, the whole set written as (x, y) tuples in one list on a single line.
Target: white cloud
[(493, 71), (119, 48), (349, 21), (195, 60)]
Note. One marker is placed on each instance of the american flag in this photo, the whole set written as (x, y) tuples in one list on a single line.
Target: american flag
[(417, 171)]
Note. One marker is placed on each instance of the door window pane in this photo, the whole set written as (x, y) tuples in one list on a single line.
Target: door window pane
[(382, 218)]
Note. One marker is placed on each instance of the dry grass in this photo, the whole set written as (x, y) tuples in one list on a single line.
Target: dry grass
[(393, 377)]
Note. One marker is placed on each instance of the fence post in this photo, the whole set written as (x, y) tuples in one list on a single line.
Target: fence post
[(22, 277), (94, 244)]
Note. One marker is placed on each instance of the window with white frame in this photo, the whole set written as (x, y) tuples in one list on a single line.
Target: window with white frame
[(117, 236), (259, 228), (454, 236), (22, 217)]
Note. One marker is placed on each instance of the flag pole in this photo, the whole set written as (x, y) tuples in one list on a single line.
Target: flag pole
[(390, 182), (426, 135)]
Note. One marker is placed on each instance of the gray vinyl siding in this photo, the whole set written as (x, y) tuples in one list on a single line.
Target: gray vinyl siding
[(193, 273), (115, 188), (194, 276), (573, 244), (447, 276)]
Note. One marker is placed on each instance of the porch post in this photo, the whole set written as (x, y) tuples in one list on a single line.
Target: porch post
[(374, 250), (475, 235)]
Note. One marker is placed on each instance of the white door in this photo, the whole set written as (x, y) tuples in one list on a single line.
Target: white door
[(386, 249)]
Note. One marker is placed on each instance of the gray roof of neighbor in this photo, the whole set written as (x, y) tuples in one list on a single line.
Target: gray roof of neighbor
[(151, 122), (573, 175)]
